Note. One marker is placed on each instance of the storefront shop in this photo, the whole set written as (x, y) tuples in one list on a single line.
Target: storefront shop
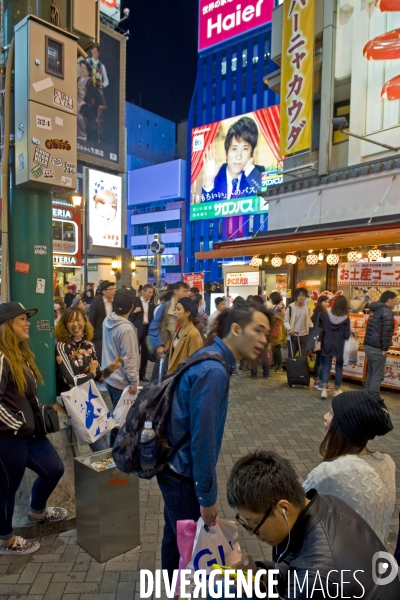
[(67, 244), (366, 264)]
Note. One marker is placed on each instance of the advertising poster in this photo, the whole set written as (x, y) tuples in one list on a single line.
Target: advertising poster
[(297, 69), (194, 280), (105, 209), (100, 104), (222, 20), (231, 161)]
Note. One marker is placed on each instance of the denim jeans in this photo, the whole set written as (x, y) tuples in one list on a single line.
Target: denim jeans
[(115, 395), (326, 369), (264, 363), (317, 366), (376, 368), (16, 455), (180, 503)]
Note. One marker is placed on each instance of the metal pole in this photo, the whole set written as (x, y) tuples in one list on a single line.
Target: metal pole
[(85, 244), (147, 245)]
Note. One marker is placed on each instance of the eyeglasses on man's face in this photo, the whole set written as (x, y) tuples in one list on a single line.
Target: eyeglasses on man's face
[(255, 531)]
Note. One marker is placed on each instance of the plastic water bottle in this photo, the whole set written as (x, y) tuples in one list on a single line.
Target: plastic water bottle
[(148, 447)]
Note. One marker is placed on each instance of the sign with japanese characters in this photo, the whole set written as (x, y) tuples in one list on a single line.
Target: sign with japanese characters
[(367, 274), (194, 280), (297, 70), (248, 278), (223, 20), (231, 162), (228, 208)]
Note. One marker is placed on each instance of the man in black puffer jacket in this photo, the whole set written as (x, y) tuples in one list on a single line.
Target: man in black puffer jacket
[(322, 547), (378, 339)]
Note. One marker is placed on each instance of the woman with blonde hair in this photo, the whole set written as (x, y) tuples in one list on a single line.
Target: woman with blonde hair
[(76, 360), (22, 443)]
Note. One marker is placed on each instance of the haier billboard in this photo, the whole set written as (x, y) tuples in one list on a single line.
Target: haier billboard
[(222, 20)]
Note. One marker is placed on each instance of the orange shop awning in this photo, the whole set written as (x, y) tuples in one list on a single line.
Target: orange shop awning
[(375, 234)]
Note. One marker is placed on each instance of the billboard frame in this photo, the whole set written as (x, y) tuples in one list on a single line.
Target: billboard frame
[(96, 161)]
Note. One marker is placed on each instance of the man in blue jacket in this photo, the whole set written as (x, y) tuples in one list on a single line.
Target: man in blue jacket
[(189, 483), (378, 339)]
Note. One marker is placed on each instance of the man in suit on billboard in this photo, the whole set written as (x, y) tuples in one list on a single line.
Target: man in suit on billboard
[(239, 177)]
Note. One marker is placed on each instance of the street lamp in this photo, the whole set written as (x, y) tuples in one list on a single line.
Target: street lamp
[(116, 268), (80, 203)]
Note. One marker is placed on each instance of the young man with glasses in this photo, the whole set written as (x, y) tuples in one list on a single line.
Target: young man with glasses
[(319, 542), (198, 413)]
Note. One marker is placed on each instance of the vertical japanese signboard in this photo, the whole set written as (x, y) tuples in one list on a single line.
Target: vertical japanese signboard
[(297, 69)]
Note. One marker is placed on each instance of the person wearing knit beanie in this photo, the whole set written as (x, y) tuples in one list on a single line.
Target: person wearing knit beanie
[(361, 416), (364, 479)]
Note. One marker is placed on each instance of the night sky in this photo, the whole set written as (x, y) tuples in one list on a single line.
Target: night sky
[(161, 55)]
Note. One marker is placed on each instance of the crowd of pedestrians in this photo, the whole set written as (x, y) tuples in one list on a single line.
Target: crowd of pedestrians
[(348, 499)]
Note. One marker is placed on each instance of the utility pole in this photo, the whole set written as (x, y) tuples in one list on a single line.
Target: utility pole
[(38, 146)]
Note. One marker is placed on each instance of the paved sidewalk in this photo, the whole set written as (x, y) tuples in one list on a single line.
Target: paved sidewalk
[(261, 413)]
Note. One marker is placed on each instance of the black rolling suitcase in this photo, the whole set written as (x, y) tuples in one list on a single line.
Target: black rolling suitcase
[(297, 370)]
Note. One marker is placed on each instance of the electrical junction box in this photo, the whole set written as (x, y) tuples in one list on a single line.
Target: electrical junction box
[(45, 105)]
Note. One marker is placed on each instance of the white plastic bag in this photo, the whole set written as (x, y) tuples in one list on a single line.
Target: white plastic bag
[(124, 403), (219, 545), (350, 352), (88, 412)]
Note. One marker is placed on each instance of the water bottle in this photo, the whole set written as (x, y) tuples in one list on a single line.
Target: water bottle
[(148, 447)]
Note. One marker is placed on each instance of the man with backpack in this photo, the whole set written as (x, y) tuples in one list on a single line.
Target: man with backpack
[(195, 424), (163, 326)]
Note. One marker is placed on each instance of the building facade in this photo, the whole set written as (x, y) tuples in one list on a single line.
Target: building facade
[(230, 83), (156, 190)]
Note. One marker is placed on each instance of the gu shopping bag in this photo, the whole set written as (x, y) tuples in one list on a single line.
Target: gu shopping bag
[(217, 544), (88, 412), (124, 403)]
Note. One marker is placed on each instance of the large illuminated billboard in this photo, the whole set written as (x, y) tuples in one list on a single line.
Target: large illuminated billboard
[(222, 20), (232, 160), (105, 209)]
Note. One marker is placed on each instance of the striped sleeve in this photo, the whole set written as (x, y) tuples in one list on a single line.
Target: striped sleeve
[(7, 417)]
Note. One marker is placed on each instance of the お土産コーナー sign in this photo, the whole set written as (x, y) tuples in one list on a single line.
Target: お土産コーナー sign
[(369, 274)]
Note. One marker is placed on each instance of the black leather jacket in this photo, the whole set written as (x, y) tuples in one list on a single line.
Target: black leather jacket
[(328, 538), (379, 327)]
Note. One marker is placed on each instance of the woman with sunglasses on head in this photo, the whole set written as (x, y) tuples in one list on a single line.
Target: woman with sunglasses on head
[(362, 478), (22, 444), (76, 360)]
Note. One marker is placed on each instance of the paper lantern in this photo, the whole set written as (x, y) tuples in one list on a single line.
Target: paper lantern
[(374, 254), (332, 259), (276, 261), (291, 259), (352, 256), (312, 259), (255, 261)]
